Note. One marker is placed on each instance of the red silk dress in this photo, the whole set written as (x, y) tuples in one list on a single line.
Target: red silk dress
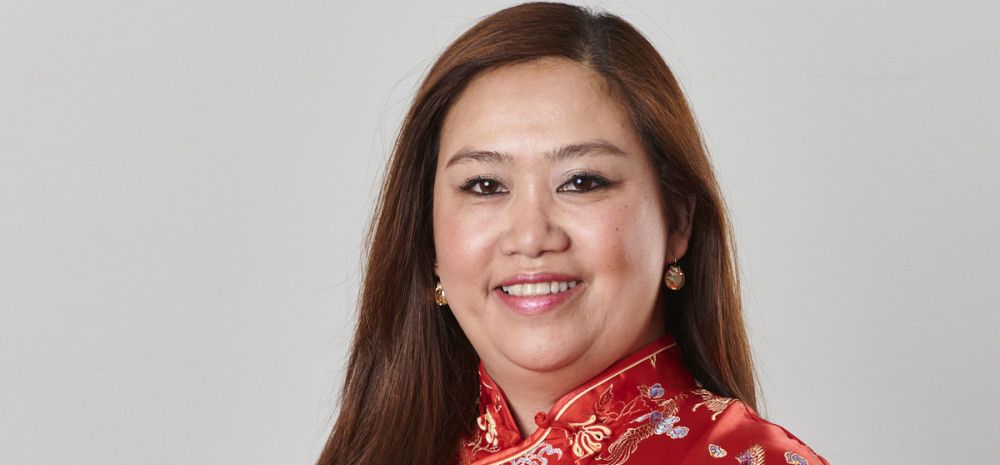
[(644, 409)]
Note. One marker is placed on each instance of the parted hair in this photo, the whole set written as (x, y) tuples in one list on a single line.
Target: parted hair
[(411, 387)]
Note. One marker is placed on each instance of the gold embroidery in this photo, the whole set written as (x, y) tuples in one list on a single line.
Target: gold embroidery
[(712, 402), (488, 425), (648, 414), (610, 411), (649, 401), (623, 447), (588, 437), (752, 456), (486, 438)]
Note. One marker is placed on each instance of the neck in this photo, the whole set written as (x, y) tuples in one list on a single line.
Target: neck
[(530, 392), (525, 404)]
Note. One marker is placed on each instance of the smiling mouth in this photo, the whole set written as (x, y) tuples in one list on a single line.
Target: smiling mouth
[(538, 289)]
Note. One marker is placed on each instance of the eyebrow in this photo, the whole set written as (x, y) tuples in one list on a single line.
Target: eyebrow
[(596, 147)]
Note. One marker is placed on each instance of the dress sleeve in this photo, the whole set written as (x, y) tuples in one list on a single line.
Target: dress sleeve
[(742, 434)]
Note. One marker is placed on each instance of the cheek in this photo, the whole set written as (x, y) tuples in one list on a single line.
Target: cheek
[(625, 242), (464, 241)]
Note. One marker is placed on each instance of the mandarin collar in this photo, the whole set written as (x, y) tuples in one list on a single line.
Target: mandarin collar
[(651, 374)]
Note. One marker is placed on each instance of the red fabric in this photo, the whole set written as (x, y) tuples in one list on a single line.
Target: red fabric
[(644, 409)]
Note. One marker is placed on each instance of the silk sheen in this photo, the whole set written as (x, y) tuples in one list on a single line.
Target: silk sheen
[(644, 409)]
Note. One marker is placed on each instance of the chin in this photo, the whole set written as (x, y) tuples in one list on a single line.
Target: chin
[(545, 354)]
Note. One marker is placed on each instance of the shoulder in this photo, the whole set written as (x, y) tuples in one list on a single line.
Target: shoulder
[(726, 427)]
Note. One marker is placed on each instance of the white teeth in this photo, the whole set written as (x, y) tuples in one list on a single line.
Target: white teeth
[(535, 289)]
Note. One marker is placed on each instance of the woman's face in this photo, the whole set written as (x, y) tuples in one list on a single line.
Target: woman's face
[(548, 223)]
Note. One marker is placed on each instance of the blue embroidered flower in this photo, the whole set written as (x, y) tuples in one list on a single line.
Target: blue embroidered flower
[(663, 425), (795, 459), (661, 428), (716, 451), (678, 432), (656, 391)]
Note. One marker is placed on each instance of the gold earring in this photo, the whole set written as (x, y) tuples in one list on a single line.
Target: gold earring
[(439, 297), (674, 277)]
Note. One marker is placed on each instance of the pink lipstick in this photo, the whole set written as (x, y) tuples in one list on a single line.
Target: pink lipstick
[(531, 294)]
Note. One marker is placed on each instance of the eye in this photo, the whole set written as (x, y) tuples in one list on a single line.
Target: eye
[(483, 186), (584, 183)]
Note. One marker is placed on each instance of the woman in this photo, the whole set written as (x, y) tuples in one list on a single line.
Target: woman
[(550, 276)]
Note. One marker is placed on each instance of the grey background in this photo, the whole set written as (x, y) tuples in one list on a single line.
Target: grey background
[(184, 186)]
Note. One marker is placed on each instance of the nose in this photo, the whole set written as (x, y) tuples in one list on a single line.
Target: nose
[(533, 226)]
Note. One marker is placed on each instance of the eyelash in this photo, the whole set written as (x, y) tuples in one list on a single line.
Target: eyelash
[(598, 181), (471, 183)]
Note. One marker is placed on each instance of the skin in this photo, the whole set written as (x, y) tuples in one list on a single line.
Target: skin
[(528, 213)]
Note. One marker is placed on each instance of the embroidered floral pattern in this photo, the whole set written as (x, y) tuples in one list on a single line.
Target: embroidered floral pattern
[(606, 422), (587, 437), (486, 438), (663, 425), (795, 459), (716, 451), (626, 444), (752, 456), (712, 402), (537, 455), (656, 416)]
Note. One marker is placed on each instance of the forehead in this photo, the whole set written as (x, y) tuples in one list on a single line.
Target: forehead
[(531, 107)]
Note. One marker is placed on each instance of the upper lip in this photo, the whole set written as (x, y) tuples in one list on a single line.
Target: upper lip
[(525, 278)]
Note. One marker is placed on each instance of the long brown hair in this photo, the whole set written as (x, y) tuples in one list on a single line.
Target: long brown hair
[(411, 383)]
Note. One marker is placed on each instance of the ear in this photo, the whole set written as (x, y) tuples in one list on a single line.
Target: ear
[(680, 232)]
